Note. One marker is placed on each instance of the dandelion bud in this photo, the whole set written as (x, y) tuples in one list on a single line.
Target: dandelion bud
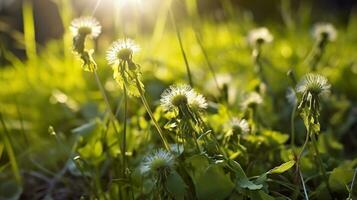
[(51, 130), (76, 158)]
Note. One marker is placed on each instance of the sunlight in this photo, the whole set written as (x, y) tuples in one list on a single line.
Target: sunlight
[(125, 3)]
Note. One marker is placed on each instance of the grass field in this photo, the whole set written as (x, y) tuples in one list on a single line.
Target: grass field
[(194, 108)]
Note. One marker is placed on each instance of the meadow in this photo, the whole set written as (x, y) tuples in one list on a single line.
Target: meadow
[(195, 108)]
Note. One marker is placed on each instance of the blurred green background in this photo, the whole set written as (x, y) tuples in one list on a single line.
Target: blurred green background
[(43, 85)]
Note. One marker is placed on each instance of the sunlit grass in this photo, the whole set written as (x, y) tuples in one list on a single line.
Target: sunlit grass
[(102, 134)]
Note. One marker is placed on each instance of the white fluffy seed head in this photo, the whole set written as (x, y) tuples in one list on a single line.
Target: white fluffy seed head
[(121, 50), (178, 95), (85, 26), (160, 160), (259, 36), (315, 84), (252, 99), (239, 125), (291, 96), (324, 30)]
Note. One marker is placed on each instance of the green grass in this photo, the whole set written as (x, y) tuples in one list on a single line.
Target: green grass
[(81, 156)]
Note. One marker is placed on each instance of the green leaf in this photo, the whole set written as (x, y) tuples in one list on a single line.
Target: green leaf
[(275, 137), (197, 165), (213, 184), (282, 168), (176, 186), (85, 128), (10, 190), (342, 176), (260, 195), (242, 179), (210, 181), (1, 149)]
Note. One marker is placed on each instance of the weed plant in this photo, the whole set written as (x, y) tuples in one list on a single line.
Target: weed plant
[(200, 109)]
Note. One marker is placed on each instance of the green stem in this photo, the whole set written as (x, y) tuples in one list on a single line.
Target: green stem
[(352, 183), (209, 64), (303, 185), (188, 70), (292, 124), (124, 129), (257, 63), (196, 141), (147, 107), (286, 14), (303, 148), (111, 115), (106, 101), (318, 156), (10, 151), (22, 125), (298, 165)]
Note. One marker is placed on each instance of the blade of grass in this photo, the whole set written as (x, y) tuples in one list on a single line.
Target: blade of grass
[(10, 151), (66, 16), (148, 110), (352, 184), (160, 22), (178, 34), (29, 30)]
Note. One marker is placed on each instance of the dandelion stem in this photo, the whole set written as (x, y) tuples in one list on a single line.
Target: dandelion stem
[(124, 128), (303, 185), (188, 70), (106, 101), (196, 141), (303, 148), (22, 125), (318, 156), (147, 107), (292, 125), (298, 165), (352, 183), (257, 63), (209, 64), (10, 150), (316, 54)]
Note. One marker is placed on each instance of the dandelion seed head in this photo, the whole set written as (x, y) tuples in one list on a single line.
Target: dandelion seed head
[(121, 50), (315, 84), (252, 99), (197, 102), (180, 95), (259, 36), (239, 125), (159, 161), (291, 96), (325, 30), (85, 26)]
